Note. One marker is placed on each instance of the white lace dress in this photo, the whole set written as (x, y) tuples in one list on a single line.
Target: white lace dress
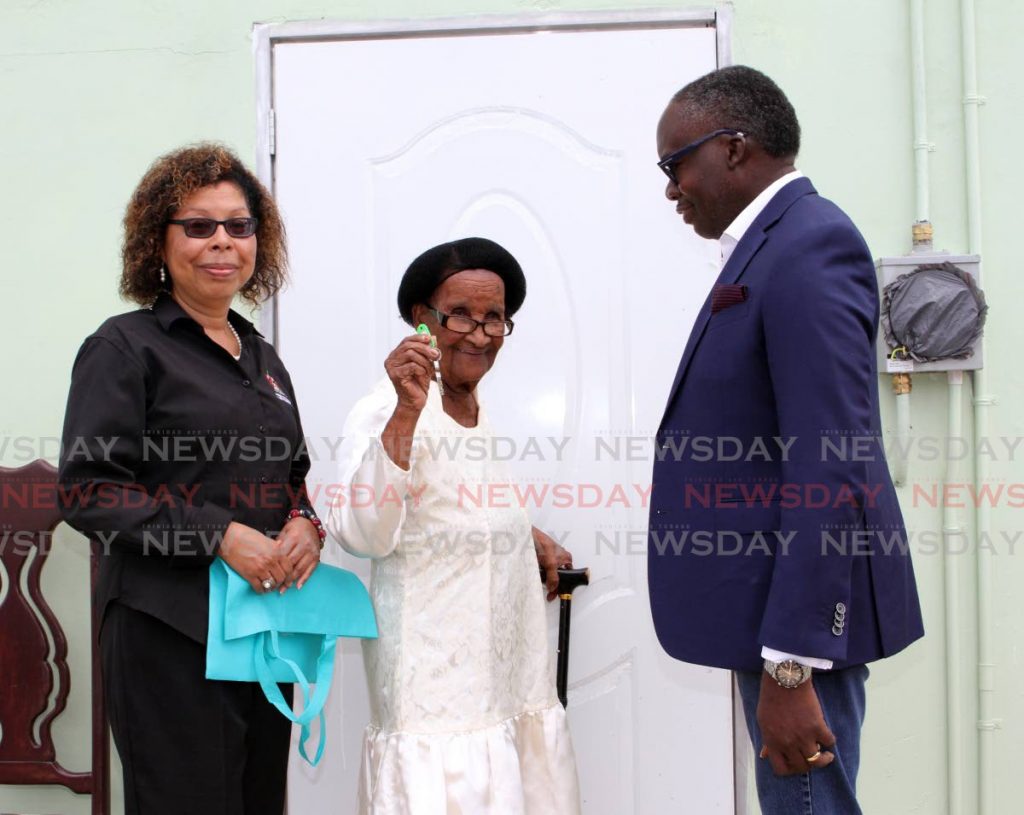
[(464, 716)]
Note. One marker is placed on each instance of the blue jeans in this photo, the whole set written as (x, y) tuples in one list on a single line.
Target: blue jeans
[(831, 790)]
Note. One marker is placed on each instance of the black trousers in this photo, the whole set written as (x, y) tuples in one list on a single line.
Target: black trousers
[(188, 745)]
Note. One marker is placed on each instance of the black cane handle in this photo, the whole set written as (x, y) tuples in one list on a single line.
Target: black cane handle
[(568, 581)]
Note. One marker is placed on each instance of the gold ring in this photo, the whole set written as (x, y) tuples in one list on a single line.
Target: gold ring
[(815, 757)]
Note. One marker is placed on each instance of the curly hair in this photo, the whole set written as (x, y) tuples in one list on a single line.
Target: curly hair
[(169, 181), (745, 99)]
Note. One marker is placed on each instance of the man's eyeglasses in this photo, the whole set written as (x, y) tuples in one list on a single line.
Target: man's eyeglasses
[(461, 324), (205, 227), (668, 164)]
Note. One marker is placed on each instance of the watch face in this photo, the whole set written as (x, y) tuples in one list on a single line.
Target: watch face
[(789, 674)]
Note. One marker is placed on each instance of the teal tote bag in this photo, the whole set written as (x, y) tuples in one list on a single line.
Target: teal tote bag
[(285, 638)]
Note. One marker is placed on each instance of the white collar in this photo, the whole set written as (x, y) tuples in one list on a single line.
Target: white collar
[(735, 231)]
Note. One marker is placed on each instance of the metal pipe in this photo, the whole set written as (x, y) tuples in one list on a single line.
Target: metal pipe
[(983, 401), (972, 152), (920, 105), (952, 533), (901, 385), (922, 229), (987, 724)]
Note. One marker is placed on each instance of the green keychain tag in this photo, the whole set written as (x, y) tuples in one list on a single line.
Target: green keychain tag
[(422, 329)]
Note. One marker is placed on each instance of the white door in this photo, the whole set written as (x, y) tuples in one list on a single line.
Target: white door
[(543, 142)]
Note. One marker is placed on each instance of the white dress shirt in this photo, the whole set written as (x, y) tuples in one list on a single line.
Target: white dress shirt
[(735, 231)]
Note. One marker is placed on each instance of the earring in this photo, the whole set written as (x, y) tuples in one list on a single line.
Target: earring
[(163, 274)]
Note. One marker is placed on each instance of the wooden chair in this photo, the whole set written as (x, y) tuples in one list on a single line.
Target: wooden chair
[(33, 649)]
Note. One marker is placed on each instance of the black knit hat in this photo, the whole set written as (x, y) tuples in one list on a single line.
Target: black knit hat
[(436, 265)]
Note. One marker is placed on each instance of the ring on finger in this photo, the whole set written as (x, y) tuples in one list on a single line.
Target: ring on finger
[(268, 583), (815, 757)]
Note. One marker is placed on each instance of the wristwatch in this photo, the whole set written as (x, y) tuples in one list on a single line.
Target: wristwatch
[(789, 673)]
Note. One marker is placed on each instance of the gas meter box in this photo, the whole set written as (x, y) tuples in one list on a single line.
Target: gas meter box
[(932, 313)]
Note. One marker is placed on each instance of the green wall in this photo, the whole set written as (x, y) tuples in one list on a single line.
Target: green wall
[(94, 91)]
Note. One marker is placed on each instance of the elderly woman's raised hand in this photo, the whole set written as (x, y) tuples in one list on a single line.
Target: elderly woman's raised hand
[(411, 367), (256, 558)]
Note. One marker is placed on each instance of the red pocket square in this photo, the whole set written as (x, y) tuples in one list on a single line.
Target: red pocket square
[(725, 295)]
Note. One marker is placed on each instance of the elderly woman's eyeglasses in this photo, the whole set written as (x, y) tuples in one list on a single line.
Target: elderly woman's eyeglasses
[(668, 164), (461, 324), (205, 227)]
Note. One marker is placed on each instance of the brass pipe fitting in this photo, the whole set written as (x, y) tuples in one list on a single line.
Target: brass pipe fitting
[(901, 384)]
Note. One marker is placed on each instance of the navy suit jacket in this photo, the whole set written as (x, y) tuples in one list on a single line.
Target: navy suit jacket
[(773, 517)]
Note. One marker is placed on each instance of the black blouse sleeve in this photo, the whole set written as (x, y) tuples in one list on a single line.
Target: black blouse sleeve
[(300, 459)]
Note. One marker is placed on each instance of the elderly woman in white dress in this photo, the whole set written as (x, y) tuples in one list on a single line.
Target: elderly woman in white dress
[(464, 714)]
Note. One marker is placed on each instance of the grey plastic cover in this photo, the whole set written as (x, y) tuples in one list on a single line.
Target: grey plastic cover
[(936, 312)]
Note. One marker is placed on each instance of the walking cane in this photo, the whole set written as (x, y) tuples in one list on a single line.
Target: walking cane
[(568, 581)]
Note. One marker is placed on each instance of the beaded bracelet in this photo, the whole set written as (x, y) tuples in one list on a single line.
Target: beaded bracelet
[(310, 516)]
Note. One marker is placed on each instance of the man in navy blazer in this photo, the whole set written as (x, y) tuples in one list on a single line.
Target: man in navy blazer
[(776, 544)]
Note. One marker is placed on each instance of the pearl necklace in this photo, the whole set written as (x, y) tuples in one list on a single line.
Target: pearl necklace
[(238, 340)]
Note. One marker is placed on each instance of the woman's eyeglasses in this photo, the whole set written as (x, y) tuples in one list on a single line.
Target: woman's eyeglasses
[(461, 324), (205, 227)]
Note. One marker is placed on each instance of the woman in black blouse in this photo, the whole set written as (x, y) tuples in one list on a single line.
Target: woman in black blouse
[(182, 443)]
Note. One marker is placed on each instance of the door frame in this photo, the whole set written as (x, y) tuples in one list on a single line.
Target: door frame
[(266, 35)]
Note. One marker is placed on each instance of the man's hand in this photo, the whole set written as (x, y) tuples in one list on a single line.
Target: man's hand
[(793, 728), (550, 556)]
